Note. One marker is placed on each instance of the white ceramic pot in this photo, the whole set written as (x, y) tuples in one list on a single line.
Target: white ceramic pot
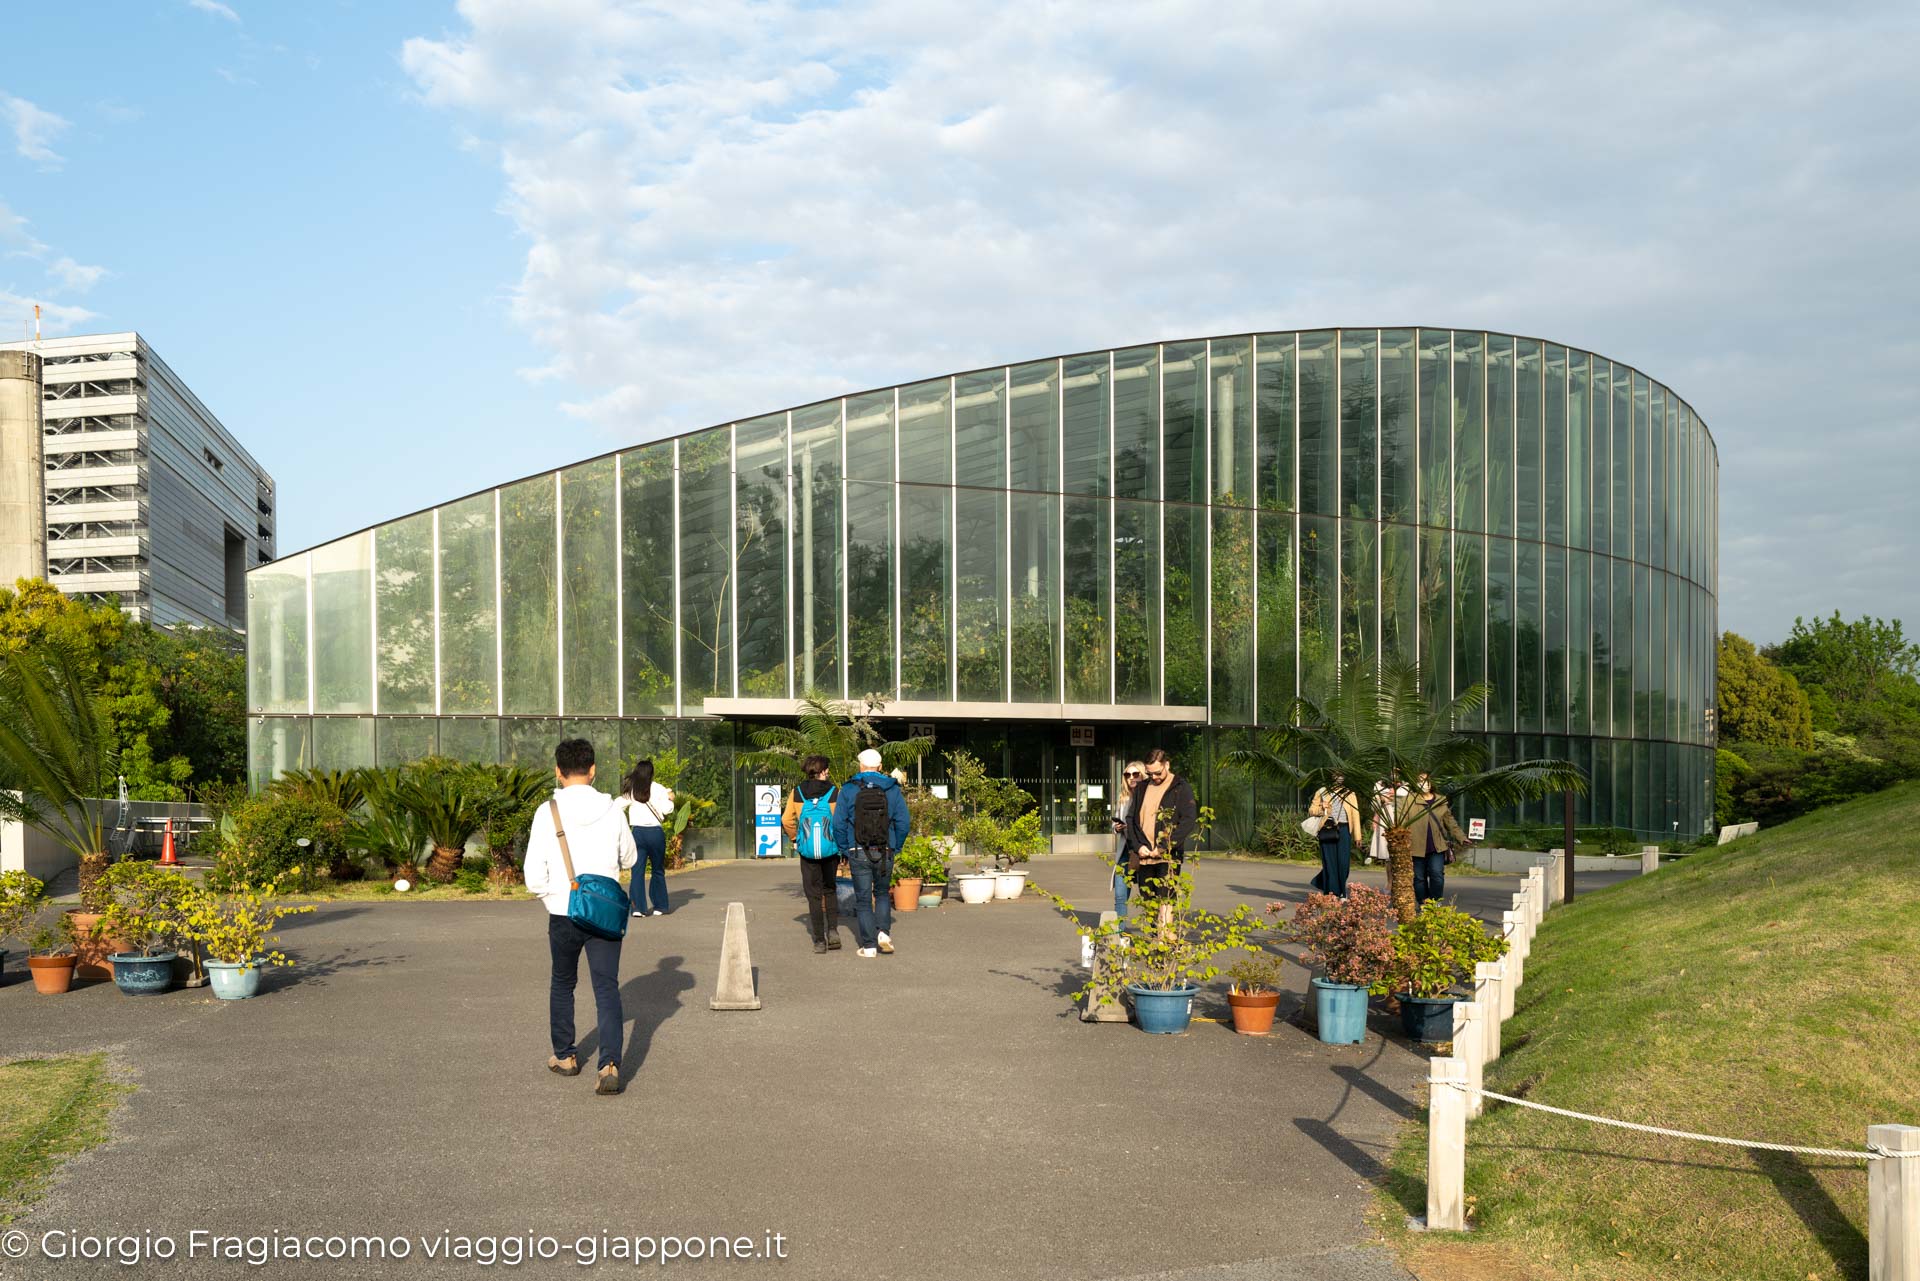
[(976, 889), (1009, 884)]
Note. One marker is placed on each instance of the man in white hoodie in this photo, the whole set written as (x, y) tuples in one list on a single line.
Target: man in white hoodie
[(601, 844)]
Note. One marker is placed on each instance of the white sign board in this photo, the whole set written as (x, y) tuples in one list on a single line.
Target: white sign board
[(1476, 829), (766, 820)]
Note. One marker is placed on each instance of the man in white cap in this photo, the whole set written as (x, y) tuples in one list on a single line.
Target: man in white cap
[(870, 825)]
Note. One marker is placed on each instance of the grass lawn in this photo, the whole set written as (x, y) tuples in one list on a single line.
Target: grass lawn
[(1759, 991), (49, 1110)]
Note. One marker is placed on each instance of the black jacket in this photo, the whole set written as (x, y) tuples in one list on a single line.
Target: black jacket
[(1186, 815)]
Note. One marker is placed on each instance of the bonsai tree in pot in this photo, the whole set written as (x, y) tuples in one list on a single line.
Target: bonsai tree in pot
[(50, 956), (236, 929), (1350, 940), (144, 913), (1255, 992), (1378, 733), (1433, 953), (20, 898)]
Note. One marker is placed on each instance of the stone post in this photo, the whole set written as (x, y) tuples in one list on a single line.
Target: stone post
[(1649, 859), (1555, 873), (1893, 1204), (1446, 1147), (1470, 1046), (1487, 975)]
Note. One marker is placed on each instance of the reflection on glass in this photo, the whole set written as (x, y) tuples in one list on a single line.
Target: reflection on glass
[(1359, 426), (1231, 369), (1530, 670), (1273, 422), (1553, 580), (1580, 644), (980, 428), (815, 532), (473, 739), (870, 589), (1086, 394), (1602, 436), (343, 624), (277, 637), (1435, 381), (529, 595), (1529, 439), (590, 582), (1136, 421), (1359, 591), (400, 739), (1501, 639), (1183, 378), (1579, 449), (1554, 508), (1500, 446), (1398, 412), (469, 661), (1034, 419), (1089, 590), (1623, 466), (1278, 602), (1036, 620), (760, 552), (1399, 586), (1185, 595), (870, 436), (1232, 613), (1136, 602), (1436, 616), (926, 591), (1624, 655), (926, 432), (343, 742), (647, 554), (276, 744), (1319, 424), (980, 622), (403, 596), (706, 568), (1319, 607), (1469, 430)]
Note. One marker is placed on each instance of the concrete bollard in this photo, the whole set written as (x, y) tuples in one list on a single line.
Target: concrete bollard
[(734, 990), (1893, 1204), (1536, 896), (1509, 986), (1112, 1009), (1487, 975), (1649, 859), (1469, 1046), (1446, 1147), (1555, 873)]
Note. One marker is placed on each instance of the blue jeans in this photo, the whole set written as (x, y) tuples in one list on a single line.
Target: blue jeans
[(872, 894), (566, 941), (652, 843), (1429, 876), (1336, 857), (1122, 889)]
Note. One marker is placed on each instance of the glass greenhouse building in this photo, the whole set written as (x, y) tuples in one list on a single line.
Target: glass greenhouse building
[(1057, 565)]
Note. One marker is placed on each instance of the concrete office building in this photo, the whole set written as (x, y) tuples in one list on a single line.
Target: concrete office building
[(1057, 565), (147, 497)]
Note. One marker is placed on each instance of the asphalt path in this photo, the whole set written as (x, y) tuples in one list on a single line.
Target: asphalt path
[(941, 1113)]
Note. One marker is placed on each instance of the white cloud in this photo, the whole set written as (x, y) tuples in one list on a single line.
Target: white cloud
[(16, 316), (214, 7), (34, 130), (741, 205), (15, 240), (77, 277)]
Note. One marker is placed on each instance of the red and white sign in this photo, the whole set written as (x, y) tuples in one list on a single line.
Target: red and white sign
[(1476, 829)]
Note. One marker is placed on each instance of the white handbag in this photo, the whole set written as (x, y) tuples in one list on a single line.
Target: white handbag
[(1313, 825)]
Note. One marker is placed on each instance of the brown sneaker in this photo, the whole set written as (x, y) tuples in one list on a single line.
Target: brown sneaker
[(568, 1066), (609, 1081)]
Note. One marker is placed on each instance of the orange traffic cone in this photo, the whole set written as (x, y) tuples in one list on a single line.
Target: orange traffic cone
[(166, 848)]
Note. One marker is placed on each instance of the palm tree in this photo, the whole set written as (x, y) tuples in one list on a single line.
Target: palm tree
[(1376, 732), (58, 758), (833, 729)]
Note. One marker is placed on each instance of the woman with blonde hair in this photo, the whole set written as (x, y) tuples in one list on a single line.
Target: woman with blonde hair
[(1339, 811)]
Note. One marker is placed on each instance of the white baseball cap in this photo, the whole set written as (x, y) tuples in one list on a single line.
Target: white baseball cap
[(870, 759)]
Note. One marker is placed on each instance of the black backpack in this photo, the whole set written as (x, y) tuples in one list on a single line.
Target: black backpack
[(872, 825)]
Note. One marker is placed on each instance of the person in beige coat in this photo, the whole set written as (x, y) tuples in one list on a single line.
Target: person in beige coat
[(1436, 838), (1337, 804)]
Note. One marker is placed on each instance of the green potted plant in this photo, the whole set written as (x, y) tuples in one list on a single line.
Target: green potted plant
[(1433, 953), (917, 864), (143, 912), (236, 929), (1350, 941), (20, 896), (50, 956), (1255, 993)]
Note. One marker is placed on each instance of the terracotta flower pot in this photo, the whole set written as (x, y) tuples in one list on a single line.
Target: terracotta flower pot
[(52, 975), (91, 953), (906, 895), (1253, 1011)]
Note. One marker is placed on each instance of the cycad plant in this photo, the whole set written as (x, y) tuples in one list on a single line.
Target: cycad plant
[(833, 729), (449, 806), (513, 794), (346, 788), (58, 758), (1377, 733)]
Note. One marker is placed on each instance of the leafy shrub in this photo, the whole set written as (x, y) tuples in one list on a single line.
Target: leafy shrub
[(1279, 835), (263, 840), (930, 815), (1350, 939), (1439, 948), (236, 928), (1260, 972), (472, 876), (146, 904), (20, 896), (920, 858)]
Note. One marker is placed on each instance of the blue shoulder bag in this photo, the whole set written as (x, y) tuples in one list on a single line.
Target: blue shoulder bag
[(596, 904)]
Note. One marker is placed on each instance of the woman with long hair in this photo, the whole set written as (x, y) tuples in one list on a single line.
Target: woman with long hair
[(647, 805)]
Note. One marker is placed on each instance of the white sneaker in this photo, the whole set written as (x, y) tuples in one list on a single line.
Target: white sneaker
[(657, 912), (886, 944), (867, 952)]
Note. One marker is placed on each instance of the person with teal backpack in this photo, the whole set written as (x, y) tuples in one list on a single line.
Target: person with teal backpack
[(808, 823)]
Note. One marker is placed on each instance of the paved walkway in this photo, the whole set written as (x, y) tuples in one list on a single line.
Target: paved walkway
[(941, 1113)]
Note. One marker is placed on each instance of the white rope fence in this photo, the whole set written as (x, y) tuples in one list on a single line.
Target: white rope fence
[(1456, 1093)]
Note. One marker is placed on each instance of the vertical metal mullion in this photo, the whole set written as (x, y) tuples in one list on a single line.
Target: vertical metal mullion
[(1160, 516), (733, 558), (436, 613), (619, 588), (792, 592), (1379, 510), (1059, 593), (559, 597), (1298, 530), (1339, 518), (897, 524), (373, 621), (313, 673), (679, 642), (842, 641), (953, 539), (499, 620), (1006, 476), (1253, 441), (1453, 530), (1204, 589), (1111, 488)]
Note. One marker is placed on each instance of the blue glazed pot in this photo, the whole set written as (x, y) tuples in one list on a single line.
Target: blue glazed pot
[(1164, 1012), (231, 982), (138, 975), (1342, 1008)]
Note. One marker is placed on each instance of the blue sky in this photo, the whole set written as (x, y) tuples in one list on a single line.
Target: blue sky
[(407, 250)]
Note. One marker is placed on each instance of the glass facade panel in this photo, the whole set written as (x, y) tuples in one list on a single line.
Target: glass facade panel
[(926, 592), (1136, 602), (1656, 477), (1553, 581), (277, 636), (1580, 644), (471, 738), (706, 568), (1529, 440), (1359, 425), (400, 739), (1230, 366), (276, 744), (343, 742), (590, 585), (870, 593), (469, 639), (1036, 596), (1500, 444), (1624, 655), (1184, 449), (1435, 407), (926, 432), (1399, 416), (1602, 435), (760, 556), (1034, 423), (1278, 616), (1579, 449), (648, 551), (1359, 591), (1232, 612), (1086, 397), (814, 531), (1319, 424), (403, 613), (1136, 422), (870, 436), (1553, 511), (1470, 431), (980, 429), (1502, 642), (529, 597), (343, 625), (980, 560), (1185, 584), (1273, 421), (1530, 667), (1399, 594), (1436, 615), (1088, 555), (1319, 607)]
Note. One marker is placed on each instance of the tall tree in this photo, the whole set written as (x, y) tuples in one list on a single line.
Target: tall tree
[(1854, 664), (1760, 702)]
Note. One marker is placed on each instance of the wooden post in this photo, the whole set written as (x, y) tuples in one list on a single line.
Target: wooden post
[(1446, 1147), (1649, 859), (1509, 982), (1555, 877), (1469, 1046), (1488, 975), (1893, 1203)]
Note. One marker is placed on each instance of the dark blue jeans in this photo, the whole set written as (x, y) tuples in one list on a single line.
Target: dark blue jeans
[(566, 941), (872, 894), (1336, 857), (649, 893), (1429, 876)]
